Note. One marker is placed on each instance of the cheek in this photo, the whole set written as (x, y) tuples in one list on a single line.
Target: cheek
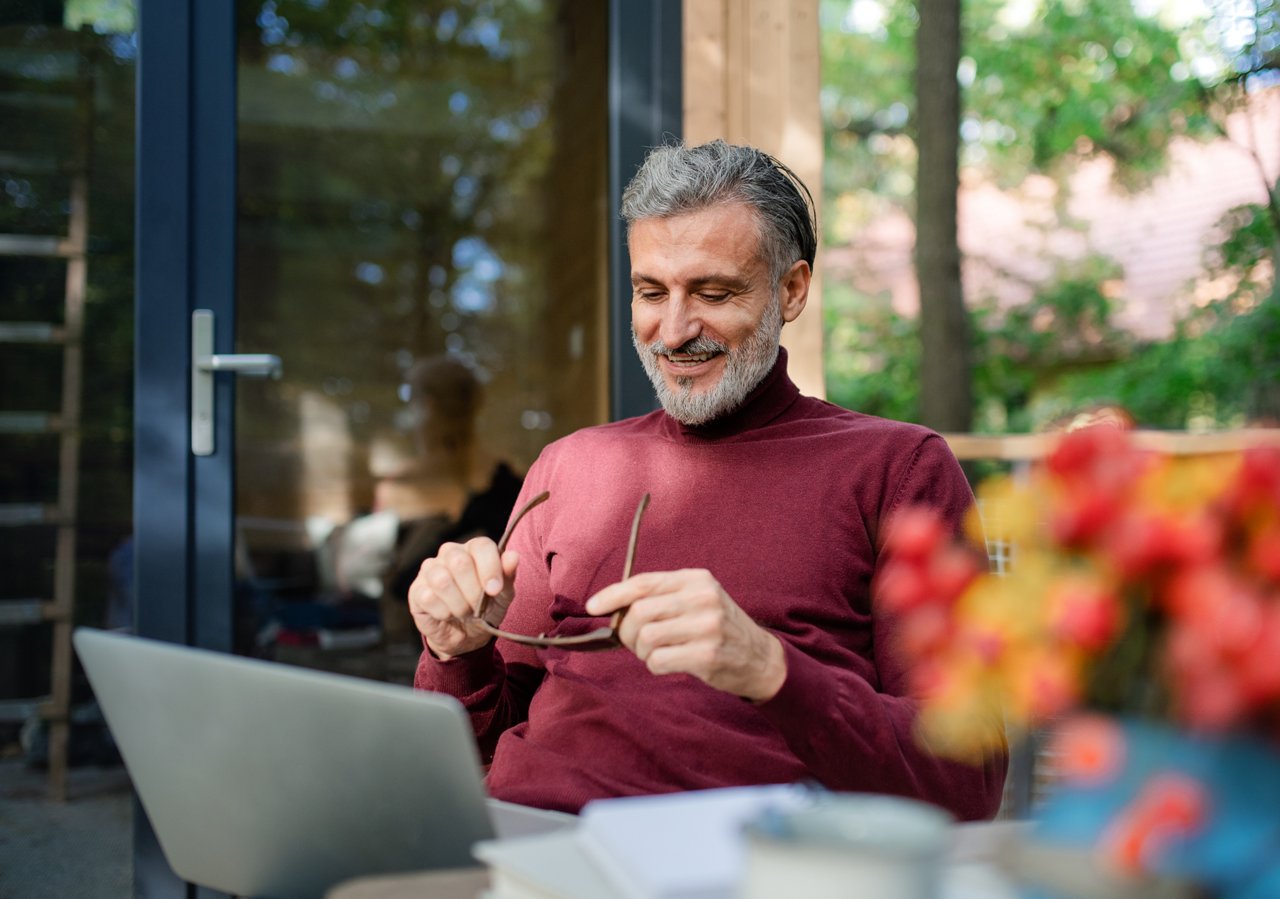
[(645, 321), (731, 328)]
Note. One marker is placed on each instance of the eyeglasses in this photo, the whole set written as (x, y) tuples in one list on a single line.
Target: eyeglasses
[(592, 641)]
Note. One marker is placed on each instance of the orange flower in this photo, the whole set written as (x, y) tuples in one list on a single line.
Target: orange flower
[(1144, 543), (1106, 542), (903, 586), (915, 533), (1260, 663), (925, 632), (1099, 456), (1042, 684), (1217, 606), (1264, 552), (950, 571), (1254, 494), (960, 716), (1081, 518), (1085, 612)]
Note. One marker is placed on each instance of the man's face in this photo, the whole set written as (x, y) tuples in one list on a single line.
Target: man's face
[(705, 317)]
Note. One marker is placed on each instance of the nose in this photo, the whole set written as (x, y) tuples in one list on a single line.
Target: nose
[(679, 322)]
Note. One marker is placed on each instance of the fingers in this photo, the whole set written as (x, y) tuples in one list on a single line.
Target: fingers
[(679, 618), (643, 586), (459, 575), (684, 622), (510, 561), (451, 580), (449, 588), (652, 629), (666, 609), (479, 564)]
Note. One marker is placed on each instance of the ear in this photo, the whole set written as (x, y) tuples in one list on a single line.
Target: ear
[(795, 290)]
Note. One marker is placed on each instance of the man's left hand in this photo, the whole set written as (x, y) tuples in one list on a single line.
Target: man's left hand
[(685, 622)]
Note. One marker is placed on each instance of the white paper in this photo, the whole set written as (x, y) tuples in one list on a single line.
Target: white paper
[(679, 845)]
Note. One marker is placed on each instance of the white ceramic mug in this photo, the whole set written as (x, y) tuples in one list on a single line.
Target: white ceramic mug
[(848, 845)]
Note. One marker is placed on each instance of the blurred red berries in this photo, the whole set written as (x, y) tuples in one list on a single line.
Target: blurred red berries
[(1162, 572)]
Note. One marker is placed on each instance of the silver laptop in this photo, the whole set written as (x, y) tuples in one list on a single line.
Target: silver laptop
[(261, 779)]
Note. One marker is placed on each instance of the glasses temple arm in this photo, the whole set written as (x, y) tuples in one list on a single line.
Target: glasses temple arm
[(616, 620), (506, 538)]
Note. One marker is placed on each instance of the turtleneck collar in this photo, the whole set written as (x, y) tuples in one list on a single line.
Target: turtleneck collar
[(767, 400)]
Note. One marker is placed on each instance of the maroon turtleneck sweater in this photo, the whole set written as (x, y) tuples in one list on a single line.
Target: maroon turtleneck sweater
[(782, 500)]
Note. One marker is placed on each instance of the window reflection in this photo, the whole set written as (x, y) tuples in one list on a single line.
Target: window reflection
[(421, 196), (67, 74)]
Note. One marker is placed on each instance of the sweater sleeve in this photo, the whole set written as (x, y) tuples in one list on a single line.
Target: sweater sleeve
[(857, 735), (496, 682)]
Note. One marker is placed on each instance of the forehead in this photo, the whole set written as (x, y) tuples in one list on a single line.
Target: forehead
[(724, 234)]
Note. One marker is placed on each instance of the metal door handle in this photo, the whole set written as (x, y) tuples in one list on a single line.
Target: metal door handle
[(204, 362), (253, 364)]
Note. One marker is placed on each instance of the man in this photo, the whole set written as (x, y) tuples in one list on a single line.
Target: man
[(750, 649)]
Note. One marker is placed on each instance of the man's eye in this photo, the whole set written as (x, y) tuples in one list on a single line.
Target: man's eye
[(712, 296), (650, 296)]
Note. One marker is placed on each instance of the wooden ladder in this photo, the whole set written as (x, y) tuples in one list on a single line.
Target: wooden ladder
[(64, 422)]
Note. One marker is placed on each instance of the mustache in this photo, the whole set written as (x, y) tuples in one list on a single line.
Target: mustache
[(699, 344)]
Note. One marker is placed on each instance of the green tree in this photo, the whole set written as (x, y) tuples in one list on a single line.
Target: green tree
[(1221, 367), (946, 382), (1047, 86), (877, 367)]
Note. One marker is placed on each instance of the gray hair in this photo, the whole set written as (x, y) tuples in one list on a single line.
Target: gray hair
[(675, 180)]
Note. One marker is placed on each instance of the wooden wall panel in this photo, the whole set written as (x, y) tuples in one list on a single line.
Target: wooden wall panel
[(751, 76)]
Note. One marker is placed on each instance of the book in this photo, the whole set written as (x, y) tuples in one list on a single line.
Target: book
[(543, 866), (678, 845)]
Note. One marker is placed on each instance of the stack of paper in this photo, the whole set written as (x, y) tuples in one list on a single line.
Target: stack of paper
[(676, 846), (545, 866)]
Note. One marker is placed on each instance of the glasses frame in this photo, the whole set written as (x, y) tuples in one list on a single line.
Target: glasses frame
[(601, 638)]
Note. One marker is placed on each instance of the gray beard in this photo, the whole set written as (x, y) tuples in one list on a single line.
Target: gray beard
[(744, 368)]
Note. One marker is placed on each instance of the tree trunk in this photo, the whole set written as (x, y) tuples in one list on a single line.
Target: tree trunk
[(946, 390), (1262, 401)]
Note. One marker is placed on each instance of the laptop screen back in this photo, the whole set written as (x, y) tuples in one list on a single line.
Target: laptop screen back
[(265, 780)]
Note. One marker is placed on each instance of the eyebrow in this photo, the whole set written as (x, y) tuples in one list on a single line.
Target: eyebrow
[(731, 281)]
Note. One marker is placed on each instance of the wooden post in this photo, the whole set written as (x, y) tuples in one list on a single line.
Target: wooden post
[(751, 76)]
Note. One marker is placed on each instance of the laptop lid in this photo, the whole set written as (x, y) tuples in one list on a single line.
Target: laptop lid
[(262, 779)]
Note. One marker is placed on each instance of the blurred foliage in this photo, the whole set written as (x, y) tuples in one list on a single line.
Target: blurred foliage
[(872, 354), (1072, 80), (1221, 367), (1061, 351), (1066, 325), (1046, 86), (392, 153)]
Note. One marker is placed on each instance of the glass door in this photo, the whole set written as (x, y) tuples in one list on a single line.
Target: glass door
[(421, 239), (409, 206)]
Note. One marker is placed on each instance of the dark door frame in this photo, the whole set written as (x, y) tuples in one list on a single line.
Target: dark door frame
[(186, 141), (646, 108), (185, 261), (186, 217)]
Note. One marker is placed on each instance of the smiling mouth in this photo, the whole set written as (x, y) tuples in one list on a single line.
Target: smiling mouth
[(689, 360)]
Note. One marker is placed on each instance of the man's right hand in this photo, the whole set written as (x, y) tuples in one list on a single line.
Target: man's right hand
[(443, 598)]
